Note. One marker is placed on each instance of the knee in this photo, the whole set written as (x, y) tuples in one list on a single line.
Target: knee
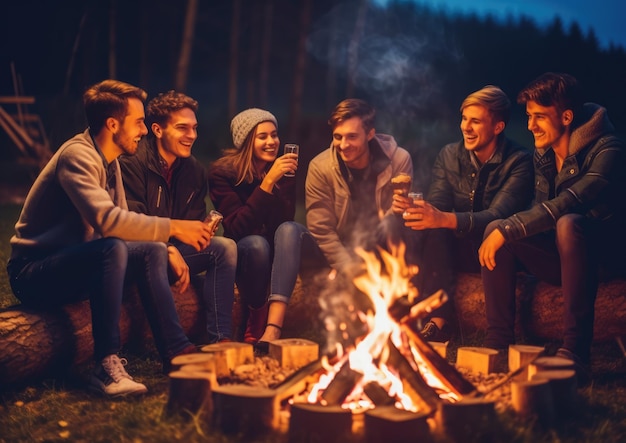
[(226, 248), (569, 224), (253, 245), (569, 229), (288, 231), (115, 248), (155, 251)]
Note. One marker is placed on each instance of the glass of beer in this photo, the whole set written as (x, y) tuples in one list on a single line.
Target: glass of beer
[(401, 182)]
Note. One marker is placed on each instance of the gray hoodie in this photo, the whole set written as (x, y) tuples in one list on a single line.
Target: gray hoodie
[(328, 202)]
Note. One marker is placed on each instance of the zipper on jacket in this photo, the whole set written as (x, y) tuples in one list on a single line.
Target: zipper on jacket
[(158, 204), (190, 197)]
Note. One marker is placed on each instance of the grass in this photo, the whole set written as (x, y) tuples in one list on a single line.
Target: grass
[(60, 409)]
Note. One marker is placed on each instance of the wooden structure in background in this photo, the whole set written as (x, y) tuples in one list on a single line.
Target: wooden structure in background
[(25, 129)]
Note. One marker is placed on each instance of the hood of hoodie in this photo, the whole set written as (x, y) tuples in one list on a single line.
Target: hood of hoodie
[(595, 124)]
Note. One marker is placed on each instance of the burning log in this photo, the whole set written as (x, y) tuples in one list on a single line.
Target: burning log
[(318, 423), (377, 394), (407, 317), (341, 385), (440, 347), (437, 364), (393, 425), (413, 384), (190, 394)]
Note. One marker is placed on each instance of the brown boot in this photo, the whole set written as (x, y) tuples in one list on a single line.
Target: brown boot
[(256, 324)]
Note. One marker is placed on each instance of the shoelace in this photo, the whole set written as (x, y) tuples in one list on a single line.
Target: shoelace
[(114, 366)]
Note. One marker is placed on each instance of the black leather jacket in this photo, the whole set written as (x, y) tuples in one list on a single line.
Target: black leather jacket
[(591, 181), (147, 190), (480, 194)]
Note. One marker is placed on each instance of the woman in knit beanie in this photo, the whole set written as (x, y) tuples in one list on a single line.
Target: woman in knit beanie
[(249, 187)]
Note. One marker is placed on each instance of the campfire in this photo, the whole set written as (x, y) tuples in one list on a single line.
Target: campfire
[(386, 382), (391, 364)]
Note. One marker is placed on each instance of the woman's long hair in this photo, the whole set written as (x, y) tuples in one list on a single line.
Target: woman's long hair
[(239, 162)]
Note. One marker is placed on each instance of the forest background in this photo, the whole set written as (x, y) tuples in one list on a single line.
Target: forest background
[(296, 58)]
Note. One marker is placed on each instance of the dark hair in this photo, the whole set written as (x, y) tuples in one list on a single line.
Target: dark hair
[(109, 98), (553, 89), (353, 107), (160, 107), (492, 98)]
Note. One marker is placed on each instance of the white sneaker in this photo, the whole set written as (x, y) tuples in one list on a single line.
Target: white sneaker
[(110, 378)]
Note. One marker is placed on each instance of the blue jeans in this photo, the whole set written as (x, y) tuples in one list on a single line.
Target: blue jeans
[(219, 261), (97, 271), (565, 257), (261, 267)]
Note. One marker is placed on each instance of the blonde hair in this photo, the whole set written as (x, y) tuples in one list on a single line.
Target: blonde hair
[(492, 98)]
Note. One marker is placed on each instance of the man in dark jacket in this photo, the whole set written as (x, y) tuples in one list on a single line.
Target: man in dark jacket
[(484, 177), (164, 179), (577, 220)]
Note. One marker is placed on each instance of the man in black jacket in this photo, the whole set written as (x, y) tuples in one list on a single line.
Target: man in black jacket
[(576, 224), (484, 177), (164, 179)]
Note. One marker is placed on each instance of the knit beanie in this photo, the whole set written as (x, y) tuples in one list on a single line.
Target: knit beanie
[(244, 122)]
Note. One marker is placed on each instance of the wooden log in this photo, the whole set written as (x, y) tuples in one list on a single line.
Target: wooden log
[(563, 386), (190, 394), (317, 423), (340, 386), (423, 396), (229, 355), (204, 360), (293, 352), (245, 410), (299, 381), (532, 399), (377, 394), (520, 356), (540, 308), (476, 359), (393, 425), (443, 370), (440, 347), (549, 364), (35, 343), (469, 419)]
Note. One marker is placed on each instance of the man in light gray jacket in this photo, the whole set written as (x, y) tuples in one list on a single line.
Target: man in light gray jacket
[(76, 238), (348, 185)]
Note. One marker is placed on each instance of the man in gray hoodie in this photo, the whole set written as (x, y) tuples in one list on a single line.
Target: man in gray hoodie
[(348, 185), (76, 239)]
